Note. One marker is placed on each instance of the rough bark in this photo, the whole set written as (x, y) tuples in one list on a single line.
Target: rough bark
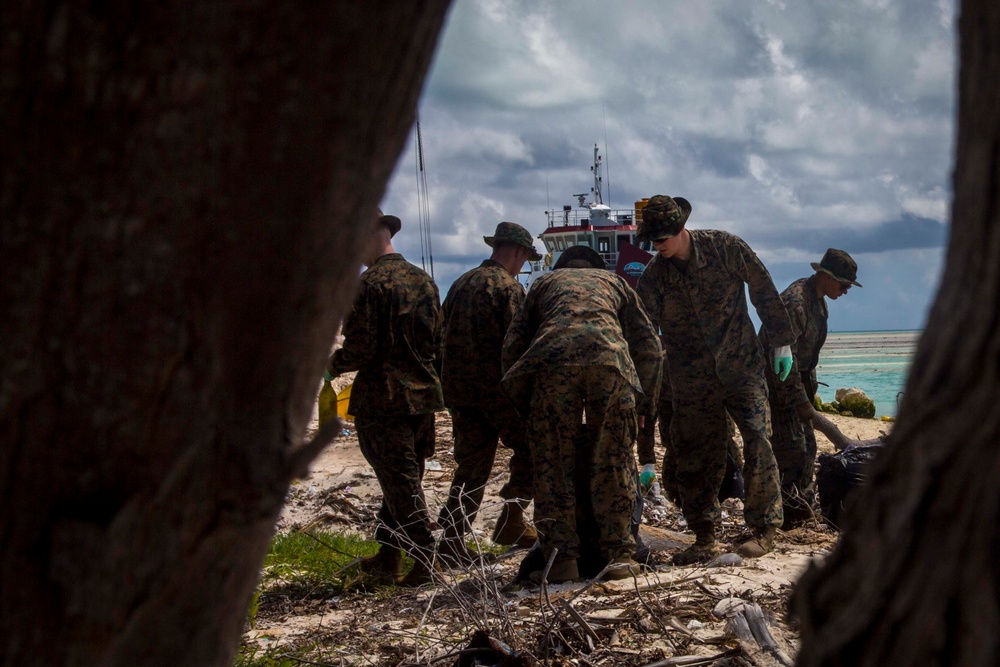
[(184, 188), (915, 579)]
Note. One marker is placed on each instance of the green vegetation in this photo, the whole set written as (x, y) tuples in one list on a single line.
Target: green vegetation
[(312, 563)]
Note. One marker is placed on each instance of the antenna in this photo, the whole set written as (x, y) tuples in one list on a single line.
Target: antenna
[(607, 168), (423, 208)]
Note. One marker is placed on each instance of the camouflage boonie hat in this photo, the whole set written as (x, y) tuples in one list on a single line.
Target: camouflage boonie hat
[(838, 264), (512, 232), (580, 253), (392, 222), (663, 217)]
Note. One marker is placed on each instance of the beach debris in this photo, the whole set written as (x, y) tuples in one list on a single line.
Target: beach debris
[(748, 623)]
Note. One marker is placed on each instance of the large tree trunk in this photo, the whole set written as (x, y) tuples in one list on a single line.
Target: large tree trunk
[(184, 188), (915, 579)]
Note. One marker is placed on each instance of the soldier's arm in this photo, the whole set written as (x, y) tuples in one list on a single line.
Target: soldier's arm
[(763, 294), (643, 347), (519, 333), (360, 334), (650, 291), (791, 392)]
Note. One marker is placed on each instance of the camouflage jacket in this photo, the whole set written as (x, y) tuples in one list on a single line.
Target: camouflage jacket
[(581, 317), (808, 312), (477, 312), (703, 314), (392, 338)]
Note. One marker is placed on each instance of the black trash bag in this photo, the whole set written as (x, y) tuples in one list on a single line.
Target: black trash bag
[(838, 475), (732, 484)]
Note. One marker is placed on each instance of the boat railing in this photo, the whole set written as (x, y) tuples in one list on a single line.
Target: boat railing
[(582, 218)]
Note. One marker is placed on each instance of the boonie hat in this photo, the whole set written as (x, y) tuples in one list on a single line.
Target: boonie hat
[(392, 222), (838, 264), (512, 232), (582, 253), (663, 217)]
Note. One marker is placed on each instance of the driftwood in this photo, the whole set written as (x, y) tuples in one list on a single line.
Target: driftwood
[(747, 622), (836, 436)]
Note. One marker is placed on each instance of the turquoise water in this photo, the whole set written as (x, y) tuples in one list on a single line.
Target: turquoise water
[(876, 362)]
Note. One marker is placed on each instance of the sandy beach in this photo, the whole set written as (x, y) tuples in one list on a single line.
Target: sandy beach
[(341, 493)]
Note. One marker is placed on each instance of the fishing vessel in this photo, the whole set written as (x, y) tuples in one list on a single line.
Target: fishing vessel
[(611, 232)]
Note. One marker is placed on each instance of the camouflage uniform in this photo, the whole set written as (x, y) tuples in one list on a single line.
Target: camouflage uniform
[(477, 312), (582, 344), (793, 441), (392, 338), (715, 364)]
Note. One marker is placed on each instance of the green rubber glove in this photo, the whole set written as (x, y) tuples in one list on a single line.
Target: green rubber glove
[(783, 361), (327, 376), (647, 476)]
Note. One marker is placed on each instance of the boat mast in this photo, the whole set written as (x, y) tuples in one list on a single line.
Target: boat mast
[(596, 170)]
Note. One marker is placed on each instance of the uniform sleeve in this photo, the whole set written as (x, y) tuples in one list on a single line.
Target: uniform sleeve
[(643, 347), (791, 392), (763, 294), (360, 334), (520, 332), (428, 327), (650, 291)]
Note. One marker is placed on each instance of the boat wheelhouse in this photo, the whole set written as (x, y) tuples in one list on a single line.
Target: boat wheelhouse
[(611, 232)]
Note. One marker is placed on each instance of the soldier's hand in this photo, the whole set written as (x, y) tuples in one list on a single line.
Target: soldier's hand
[(783, 361), (805, 412)]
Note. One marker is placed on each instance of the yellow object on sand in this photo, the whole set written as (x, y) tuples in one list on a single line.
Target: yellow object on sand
[(327, 403), (343, 400)]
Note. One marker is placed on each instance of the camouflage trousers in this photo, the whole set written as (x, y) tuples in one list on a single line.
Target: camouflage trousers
[(700, 434), (396, 448), (583, 415), (794, 445), (477, 433)]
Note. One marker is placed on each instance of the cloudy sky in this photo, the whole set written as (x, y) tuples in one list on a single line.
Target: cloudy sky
[(796, 124)]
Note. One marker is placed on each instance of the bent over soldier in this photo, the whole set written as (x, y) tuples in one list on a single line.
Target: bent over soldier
[(477, 311), (792, 409), (577, 355), (392, 338), (694, 287)]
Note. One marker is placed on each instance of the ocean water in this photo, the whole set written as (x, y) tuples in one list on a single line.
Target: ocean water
[(877, 362)]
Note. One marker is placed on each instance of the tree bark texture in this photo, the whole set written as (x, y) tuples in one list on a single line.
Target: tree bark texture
[(184, 191), (915, 579)]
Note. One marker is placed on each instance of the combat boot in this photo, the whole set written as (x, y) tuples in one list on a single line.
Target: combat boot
[(760, 543), (561, 572), (421, 573), (388, 561), (704, 548), (511, 528), (622, 568), (454, 553)]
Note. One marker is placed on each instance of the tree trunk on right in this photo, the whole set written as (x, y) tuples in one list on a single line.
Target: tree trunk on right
[(915, 579)]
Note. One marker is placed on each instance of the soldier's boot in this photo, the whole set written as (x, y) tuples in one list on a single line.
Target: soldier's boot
[(423, 571), (454, 553), (622, 568), (561, 572), (758, 544), (388, 561), (704, 548), (511, 527)]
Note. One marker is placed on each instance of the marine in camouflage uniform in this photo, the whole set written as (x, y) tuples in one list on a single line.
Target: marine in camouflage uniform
[(793, 439), (694, 288), (577, 355), (477, 311), (392, 338)]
